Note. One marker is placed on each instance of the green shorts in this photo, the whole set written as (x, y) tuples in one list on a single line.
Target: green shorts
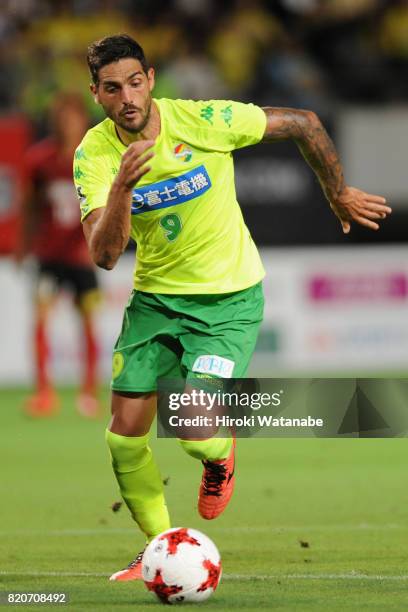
[(186, 336)]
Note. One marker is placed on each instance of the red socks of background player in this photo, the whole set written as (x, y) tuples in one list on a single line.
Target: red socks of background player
[(41, 356), (44, 402), (91, 358)]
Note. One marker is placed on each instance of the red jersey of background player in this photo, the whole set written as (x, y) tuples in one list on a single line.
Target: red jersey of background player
[(58, 236)]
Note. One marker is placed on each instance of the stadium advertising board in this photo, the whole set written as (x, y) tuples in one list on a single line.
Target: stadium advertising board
[(327, 311)]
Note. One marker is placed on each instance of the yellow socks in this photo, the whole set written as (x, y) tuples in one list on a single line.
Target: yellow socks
[(212, 449), (139, 481)]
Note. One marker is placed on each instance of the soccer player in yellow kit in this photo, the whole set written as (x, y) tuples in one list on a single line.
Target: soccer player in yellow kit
[(161, 171)]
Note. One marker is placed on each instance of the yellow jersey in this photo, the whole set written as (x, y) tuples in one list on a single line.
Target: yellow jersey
[(190, 234)]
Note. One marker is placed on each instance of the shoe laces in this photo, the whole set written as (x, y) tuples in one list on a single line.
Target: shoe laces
[(136, 560), (214, 476)]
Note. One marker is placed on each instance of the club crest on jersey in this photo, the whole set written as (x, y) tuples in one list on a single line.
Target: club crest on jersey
[(183, 152), (213, 364), (171, 192)]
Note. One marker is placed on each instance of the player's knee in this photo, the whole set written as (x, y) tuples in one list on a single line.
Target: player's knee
[(128, 452), (125, 425)]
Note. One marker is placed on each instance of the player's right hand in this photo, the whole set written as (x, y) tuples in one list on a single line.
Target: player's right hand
[(132, 166)]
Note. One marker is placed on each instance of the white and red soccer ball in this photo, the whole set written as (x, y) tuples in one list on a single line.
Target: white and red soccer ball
[(181, 565)]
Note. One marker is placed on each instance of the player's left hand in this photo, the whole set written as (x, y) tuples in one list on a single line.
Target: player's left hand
[(355, 205)]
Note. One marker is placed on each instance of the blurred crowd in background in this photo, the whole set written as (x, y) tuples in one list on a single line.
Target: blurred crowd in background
[(308, 53)]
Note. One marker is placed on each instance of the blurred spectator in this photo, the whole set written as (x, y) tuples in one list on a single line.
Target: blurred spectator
[(342, 47), (190, 73), (51, 231), (340, 36), (394, 31), (292, 78), (239, 42), (58, 43), (393, 40)]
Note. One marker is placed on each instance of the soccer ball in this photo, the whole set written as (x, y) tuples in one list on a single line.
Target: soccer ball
[(181, 565)]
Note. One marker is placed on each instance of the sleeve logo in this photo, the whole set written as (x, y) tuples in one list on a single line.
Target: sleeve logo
[(226, 114), (207, 113)]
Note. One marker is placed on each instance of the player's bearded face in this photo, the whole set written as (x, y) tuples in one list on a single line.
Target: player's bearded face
[(133, 118), (124, 91)]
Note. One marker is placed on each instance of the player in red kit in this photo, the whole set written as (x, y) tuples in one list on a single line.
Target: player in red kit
[(51, 231)]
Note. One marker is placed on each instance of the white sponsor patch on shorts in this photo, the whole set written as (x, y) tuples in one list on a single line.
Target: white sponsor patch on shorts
[(213, 364)]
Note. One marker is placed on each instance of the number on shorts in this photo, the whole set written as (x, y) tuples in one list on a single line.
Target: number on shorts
[(171, 224)]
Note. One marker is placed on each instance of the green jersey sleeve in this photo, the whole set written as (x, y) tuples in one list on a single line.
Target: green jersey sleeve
[(91, 177), (222, 125)]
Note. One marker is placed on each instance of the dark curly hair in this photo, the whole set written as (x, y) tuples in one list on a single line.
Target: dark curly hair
[(112, 49)]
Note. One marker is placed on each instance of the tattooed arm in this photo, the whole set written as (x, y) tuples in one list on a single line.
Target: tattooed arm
[(304, 127)]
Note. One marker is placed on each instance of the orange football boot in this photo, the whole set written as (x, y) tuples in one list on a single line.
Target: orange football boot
[(88, 405), (132, 572), (43, 403), (217, 485)]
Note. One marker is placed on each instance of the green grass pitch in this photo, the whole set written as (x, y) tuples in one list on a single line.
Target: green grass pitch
[(314, 524)]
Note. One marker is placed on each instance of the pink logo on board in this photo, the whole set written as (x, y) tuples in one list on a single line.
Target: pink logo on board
[(355, 287)]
